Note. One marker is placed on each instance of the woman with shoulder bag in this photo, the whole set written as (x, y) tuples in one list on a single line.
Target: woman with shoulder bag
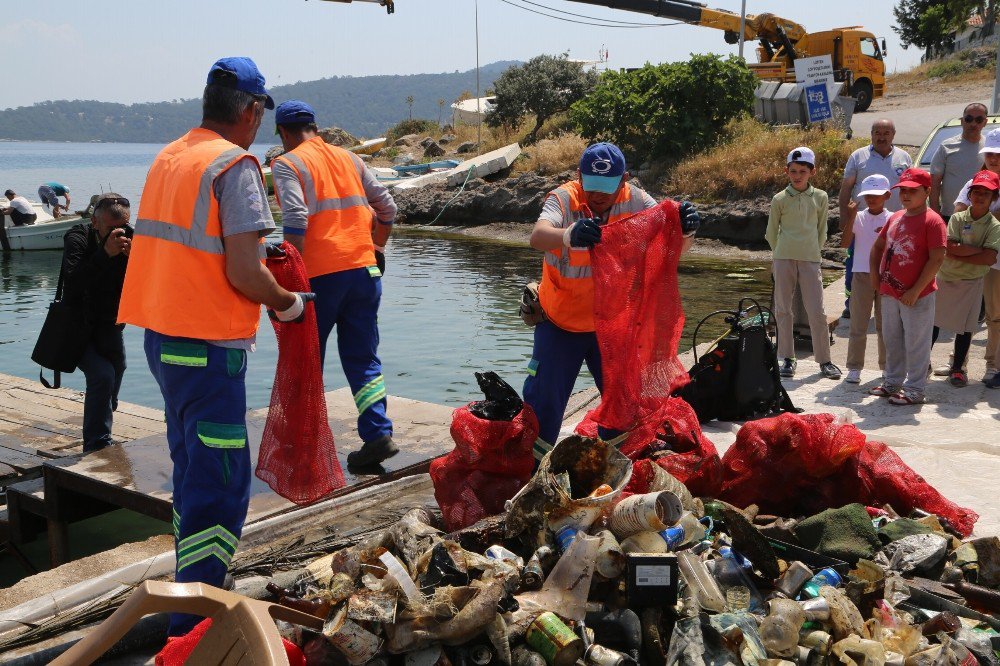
[(95, 256)]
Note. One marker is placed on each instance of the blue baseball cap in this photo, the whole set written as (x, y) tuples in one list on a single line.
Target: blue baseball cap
[(241, 74), (602, 167), (293, 111)]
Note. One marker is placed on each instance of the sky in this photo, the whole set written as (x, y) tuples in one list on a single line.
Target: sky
[(140, 50)]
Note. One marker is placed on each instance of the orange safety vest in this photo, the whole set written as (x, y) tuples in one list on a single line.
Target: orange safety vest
[(176, 280), (339, 233), (567, 289)]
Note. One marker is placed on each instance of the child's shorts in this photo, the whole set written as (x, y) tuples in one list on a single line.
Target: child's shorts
[(958, 304)]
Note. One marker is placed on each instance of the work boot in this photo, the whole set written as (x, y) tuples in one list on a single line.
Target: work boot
[(373, 452)]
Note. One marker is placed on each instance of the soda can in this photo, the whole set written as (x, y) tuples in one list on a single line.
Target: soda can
[(551, 638), (649, 512), (532, 575)]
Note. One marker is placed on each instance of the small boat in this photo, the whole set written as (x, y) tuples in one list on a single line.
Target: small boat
[(268, 179), (421, 169), (368, 147), (45, 234)]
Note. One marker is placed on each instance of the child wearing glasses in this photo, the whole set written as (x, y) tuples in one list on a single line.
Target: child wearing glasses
[(957, 159)]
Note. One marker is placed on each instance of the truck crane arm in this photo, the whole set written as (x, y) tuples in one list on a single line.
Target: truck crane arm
[(390, 7)]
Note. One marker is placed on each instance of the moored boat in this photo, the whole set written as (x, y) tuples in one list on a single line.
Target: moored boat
[(45, 234)]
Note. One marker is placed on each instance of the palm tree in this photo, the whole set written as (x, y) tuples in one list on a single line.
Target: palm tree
[(440, 109), (409, 103)]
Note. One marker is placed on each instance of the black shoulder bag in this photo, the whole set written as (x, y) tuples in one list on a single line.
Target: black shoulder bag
[(62, 340)]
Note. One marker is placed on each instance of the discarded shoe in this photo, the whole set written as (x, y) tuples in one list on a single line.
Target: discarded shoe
[(788, 367), (829, 370), (373, 452)]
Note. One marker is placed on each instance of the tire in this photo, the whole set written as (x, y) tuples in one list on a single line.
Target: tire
[(863, 93)]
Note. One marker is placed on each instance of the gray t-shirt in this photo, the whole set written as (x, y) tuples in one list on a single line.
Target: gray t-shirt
[(865, 162), (956, 160), (242, 207)]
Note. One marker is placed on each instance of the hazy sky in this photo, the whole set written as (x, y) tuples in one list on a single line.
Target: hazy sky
[(140, 50)]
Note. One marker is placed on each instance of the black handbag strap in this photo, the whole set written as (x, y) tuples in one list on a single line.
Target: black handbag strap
[(56, 375), (59, 285)]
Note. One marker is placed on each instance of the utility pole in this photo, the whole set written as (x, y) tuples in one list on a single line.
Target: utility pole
[(479, 99), (743, 25), (996, 83)]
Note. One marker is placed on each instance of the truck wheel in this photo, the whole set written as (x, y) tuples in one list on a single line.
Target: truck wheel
[(862, 92)]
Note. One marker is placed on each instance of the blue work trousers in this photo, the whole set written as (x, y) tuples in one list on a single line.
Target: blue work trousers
[(204, 395), (104, 379), (556, 360), (349, 300)]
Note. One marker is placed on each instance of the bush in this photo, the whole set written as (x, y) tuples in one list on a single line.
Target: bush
[(414, 126), (750, 161), (666, 111), (551, 156)]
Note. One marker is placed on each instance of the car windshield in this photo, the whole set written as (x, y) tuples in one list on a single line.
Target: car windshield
[(941, 135)]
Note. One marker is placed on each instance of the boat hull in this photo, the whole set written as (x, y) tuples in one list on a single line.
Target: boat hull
[(45, 234)]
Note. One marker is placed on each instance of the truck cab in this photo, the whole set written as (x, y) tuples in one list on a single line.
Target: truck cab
[(857, 60)]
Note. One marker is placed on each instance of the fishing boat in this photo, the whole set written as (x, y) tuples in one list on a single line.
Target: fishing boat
[(45, 234), (368, 147), (421, 169)]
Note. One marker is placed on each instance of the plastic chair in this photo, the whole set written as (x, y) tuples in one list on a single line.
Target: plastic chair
[(242, 631)]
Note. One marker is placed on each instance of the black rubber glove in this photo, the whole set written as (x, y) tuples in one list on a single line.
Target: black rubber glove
[(690, 219), (585, 233), (297, 312), (380, 261), (274, 249)]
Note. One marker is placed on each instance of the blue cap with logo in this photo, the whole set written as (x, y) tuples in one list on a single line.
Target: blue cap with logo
[(241, 74), (292, 112), (602, 167)]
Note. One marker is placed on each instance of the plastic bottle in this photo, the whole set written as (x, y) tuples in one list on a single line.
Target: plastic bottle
[(825, 577), (645, 512), (701, 583), (567, 523), (610, 561), (779, 631)]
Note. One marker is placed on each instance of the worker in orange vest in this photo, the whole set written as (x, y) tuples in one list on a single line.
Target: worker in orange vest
[(196, 280), (339, 216), (569, 225)]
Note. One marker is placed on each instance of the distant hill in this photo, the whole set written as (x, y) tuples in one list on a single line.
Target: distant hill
[(363, 105)]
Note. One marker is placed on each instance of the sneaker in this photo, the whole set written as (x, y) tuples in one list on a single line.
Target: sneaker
[(907, 398), (942, 370), (958, 379), (846, 314), (788, 367), (993, 382), (829, 370), (373, 452), (989, 374), (884, 390), (853, 377)]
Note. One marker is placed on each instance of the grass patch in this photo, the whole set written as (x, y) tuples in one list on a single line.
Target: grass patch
[(976, 64), (553, 155), (750, 161)]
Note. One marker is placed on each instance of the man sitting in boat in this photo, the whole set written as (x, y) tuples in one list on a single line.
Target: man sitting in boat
[(20, 210), (50, 192)]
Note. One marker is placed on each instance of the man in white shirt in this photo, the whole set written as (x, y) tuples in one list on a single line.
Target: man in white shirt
[(20, 209)]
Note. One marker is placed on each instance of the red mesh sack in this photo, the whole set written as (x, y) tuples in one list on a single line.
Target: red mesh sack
[(637, 314), (491, 461), (297, 456)]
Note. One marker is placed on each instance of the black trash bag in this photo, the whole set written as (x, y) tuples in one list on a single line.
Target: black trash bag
[(502, 402), (442, 570)]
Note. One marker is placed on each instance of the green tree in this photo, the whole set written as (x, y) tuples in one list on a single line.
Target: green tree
[(543, 86), (667, 111), (930, 24)]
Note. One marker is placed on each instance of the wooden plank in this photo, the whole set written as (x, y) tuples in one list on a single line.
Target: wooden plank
[(149, 425), (21, 460), (34, 387)]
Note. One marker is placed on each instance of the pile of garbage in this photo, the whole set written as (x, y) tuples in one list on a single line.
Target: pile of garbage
[(578, 568)]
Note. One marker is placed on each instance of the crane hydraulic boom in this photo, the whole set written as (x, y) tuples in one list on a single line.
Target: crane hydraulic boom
[(388, 4)]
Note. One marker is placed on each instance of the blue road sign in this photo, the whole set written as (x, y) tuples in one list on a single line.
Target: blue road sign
[(818, 102)]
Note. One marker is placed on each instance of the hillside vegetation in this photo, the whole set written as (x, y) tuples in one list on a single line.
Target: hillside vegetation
[(977, 64), (364, 106)]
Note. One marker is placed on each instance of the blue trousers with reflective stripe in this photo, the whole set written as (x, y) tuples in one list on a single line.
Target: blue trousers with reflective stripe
[(204, 395), (556, 360), (349, 300)]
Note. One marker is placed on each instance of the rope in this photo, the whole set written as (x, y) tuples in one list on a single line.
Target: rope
[(460, 190)]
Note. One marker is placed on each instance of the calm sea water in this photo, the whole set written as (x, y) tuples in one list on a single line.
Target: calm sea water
[(449, 305)]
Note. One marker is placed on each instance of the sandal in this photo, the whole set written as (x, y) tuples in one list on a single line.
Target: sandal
[(907, 398), (884, 391)]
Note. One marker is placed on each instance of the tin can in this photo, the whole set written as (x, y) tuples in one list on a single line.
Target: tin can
[(357, 644), (598, 655), (552, 639), (532, 575), (649, 512)]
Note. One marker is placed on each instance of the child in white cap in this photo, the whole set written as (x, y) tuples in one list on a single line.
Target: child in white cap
[(863, 228), (796, 232), (991, 284)]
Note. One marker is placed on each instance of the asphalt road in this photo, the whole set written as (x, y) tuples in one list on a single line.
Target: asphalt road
[(912, 124)]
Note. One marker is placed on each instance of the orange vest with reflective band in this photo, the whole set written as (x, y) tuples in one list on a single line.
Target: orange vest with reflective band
[(176, 279), (339, 233), (567, 289)]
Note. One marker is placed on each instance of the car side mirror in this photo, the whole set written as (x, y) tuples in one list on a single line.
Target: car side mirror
[(884, 50)]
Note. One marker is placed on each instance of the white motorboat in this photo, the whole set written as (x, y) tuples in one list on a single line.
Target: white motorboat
[(45, 234)]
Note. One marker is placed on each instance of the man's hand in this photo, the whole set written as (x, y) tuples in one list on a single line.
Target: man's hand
[(585, 232), (909, 298), (690, 219), (117, 243), (296, 313), (380, 261)]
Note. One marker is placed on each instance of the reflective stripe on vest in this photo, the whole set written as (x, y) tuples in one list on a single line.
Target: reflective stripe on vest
[(197, 236), (567, 290)]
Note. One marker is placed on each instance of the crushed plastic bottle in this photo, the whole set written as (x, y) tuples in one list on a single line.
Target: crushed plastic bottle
[(701, 583), (780, 629)]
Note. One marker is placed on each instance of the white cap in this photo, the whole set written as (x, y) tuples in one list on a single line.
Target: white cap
[(802, 154), (875, 184), (992, 143)]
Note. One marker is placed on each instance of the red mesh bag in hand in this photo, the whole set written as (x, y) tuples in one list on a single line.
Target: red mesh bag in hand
[(637, 314), (491, 461), (802, 464), (297, 456)]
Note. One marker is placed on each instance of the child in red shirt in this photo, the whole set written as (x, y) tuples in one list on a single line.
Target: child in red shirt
[(906, 257)]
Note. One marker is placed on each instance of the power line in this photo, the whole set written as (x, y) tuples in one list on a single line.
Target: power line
[(594, 18), (600, 25)]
